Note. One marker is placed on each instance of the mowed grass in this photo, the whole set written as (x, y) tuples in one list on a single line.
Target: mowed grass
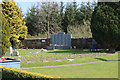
[(107, 69), (51, 56)]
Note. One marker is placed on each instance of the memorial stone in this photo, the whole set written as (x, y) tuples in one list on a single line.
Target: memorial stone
[(61, 39), (10, 52)]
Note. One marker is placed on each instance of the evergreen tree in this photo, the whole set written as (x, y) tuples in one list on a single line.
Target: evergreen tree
[(54, 26), (75, 9), (18, 29), (61, 16), (32, 20), (105, 25), (85, 12), (5, 36), (52, 18), (69, 17), (43, 19)]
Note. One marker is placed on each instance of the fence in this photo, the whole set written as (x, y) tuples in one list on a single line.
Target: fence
[(38, 43), (81, 43), (35, 43)]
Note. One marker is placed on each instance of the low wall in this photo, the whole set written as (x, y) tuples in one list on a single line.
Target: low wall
[(12, 64), (38, 43)]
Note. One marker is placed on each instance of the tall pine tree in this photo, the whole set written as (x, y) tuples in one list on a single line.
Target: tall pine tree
[(32, 20), (69, 17)]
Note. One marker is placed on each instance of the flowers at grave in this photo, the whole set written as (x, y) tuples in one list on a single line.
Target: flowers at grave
[(2, 59)]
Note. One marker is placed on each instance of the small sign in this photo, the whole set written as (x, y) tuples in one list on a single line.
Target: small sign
[(43, 40)]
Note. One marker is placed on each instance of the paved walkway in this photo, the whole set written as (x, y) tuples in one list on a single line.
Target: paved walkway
[(69, 64)]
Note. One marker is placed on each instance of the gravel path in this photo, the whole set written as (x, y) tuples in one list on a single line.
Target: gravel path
[(69, 64)]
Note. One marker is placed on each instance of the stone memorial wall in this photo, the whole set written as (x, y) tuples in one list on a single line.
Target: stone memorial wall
[(61, 39)]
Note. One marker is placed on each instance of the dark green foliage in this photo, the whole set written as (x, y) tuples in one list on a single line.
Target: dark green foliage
[(31, 20), (85, 12), (5, 36), (105, 25), (69, 17), (61, 15), (43, 20), (47, 18)]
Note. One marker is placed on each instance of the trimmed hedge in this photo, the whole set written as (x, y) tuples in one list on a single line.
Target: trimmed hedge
[(14, 73)]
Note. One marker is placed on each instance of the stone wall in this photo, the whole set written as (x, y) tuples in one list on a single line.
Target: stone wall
[(38, 43)]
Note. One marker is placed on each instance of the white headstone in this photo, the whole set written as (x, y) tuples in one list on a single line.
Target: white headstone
[(9, 52), (15, 53)]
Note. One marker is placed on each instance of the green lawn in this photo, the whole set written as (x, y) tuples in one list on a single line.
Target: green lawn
[(94, 70), (51, 56)]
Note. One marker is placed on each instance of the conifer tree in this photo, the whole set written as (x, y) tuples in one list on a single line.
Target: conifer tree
[(5, 36), (13, 15), (32, 20), (105, 25), (61, 15), (69, 17)]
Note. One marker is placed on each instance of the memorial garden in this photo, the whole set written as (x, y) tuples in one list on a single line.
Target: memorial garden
[(42, 62), (59, 56)]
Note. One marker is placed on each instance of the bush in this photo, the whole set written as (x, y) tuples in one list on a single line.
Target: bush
[(15, 21), (13, 73), (105, 25), (5, 36), (19, 45)]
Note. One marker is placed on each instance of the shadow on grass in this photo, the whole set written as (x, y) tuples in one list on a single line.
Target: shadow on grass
[(77, 51), (97, 51), (107, 60), (101, 59), (69, 51)]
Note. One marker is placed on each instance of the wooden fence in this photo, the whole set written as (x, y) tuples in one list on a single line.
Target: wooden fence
[(38, 43)]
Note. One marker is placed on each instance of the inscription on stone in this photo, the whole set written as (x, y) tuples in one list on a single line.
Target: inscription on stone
[(61, 39)]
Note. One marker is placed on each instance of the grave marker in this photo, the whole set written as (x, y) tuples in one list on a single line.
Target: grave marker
[(61, 39)]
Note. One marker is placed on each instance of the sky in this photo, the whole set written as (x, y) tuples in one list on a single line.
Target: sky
[(26, 4)]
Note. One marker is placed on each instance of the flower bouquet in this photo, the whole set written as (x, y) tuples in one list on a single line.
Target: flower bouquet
[(2, 59)]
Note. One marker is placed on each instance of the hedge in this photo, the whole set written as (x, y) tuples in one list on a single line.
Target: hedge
[(17, 74)]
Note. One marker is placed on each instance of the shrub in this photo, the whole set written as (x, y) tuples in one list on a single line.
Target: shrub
[(13, 73), (5, 36), (13, 14), (105, 25)]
